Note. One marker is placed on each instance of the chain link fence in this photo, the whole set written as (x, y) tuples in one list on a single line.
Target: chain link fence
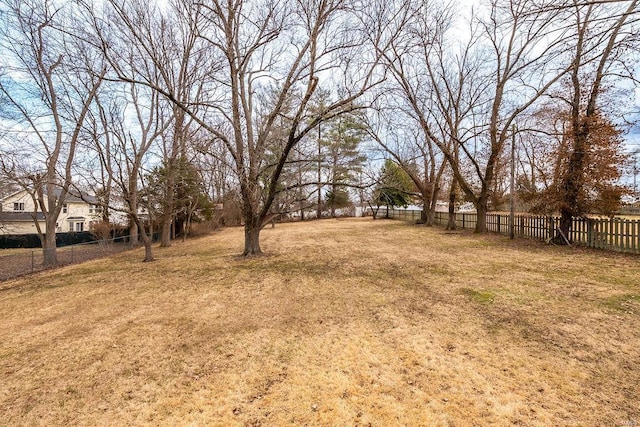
[(19, 262)]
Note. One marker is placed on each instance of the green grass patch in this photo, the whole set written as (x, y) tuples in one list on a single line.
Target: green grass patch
[(481, 297), (625, 303)]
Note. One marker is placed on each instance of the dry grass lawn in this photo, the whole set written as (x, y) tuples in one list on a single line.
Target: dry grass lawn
[(343, 322)]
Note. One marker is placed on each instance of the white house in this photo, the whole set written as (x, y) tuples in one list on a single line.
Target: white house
[(18, 214)]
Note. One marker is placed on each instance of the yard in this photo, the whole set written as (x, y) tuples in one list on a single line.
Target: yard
[(343, 322)]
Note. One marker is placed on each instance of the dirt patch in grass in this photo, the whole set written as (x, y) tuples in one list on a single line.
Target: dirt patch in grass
[(350, 322)]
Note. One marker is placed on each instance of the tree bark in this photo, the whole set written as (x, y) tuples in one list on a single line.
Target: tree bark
[(169, 204), (333, 200), (424, 215), (147, 239), (134, 238), (49, 253), (165, 239), (319, 206), (451, 223), (148, 254), (252, 230), (562, 236), (572, 184), (481, 210), (431, 216)]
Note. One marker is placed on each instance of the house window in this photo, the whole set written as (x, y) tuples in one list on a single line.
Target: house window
[(79, 226), (95, 209), (64, 208), (18, 206)]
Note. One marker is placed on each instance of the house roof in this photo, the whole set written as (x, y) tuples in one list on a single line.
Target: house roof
[(6, 189), (73, 196), (20, 216), (13, 193)]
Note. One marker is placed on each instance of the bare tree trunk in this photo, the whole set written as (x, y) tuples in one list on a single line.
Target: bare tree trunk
[(481, 210), (168, 202), (431, 218), (562, 236), (301, 199), (105, 201), (148, 254), (424, 215), (134, 239), (571, 186), (451, 223), (374, 212), (428, 207), (165, 236), (333, 200), (252, 229), (49, 253), (319, 206), (147, 240)]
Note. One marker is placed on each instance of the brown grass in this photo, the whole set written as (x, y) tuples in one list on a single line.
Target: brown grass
[(349, 322), (14, 251)]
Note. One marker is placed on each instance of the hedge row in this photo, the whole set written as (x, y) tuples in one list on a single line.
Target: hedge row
[(33, 241)]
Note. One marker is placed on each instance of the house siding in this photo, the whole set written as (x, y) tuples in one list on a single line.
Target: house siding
[(20, 227), (77, 212)]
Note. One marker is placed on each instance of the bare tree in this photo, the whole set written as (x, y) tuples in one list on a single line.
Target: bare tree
[(512, 58), (132, 142), (527, 45), (604, 35), (281, 49), (432, 88), (182, 55), (50, 83), (416, 154)]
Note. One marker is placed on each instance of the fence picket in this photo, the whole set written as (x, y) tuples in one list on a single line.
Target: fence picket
[(626, 235)]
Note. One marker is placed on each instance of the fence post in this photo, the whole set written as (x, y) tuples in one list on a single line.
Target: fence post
[(33, 261), (590, 237), (521, 220), (463, 221)]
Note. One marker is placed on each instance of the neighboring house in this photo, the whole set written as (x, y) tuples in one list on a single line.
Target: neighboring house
[(18, 216), (20, 222)]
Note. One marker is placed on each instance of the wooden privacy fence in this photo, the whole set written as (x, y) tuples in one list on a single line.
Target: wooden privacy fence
[(614, 234)]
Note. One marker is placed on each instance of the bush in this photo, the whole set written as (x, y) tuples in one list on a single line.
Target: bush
[(13, 241), (102, 230)]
